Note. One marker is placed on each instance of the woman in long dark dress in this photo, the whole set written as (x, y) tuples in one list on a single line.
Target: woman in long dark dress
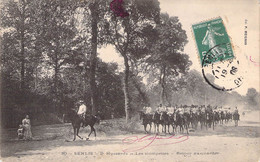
[(27, 128)]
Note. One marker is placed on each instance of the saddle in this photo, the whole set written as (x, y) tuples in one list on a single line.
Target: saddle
[(84, 119)]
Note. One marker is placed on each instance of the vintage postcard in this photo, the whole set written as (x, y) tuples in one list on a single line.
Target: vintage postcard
[(130, 80)]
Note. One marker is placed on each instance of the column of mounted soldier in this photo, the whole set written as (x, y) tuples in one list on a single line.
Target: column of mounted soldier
[(184, 117)]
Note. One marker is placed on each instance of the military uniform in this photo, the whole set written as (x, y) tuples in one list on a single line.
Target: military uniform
[(148, 110), (162, 109), (170, 110)]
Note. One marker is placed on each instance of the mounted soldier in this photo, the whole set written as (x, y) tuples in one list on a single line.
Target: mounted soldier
[(236, 117), (162, 109), (82, 111)]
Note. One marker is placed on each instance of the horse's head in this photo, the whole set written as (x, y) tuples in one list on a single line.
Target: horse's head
[(164, 115), (98, 117), (156, 116)]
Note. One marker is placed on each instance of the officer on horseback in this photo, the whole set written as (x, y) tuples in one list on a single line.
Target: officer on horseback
[(162, 108), (82, 110)]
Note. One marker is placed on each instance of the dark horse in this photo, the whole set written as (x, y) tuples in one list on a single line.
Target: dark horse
[(194, 120), (156, 121), (236, 118), (147, 120), (209, 120), (181, 120), (165, 120), (76, 121), (202, 119)]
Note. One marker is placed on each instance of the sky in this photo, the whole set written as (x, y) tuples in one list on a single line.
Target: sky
[(234, 14)]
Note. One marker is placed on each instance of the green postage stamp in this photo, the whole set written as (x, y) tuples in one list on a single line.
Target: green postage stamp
[(213, 42)]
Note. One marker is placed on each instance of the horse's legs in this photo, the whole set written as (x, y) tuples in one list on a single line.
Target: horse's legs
[(94, 131), (145, 125), (78, 132), (172, 128), (74, 129), (90, 131)]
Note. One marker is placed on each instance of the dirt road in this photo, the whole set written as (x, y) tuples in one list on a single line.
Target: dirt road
[(225, 143)]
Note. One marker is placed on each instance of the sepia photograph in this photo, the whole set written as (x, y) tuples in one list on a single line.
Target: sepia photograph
[(130, 80)]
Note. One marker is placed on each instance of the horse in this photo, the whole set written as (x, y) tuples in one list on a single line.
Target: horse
[(210, 120), (76, 121), (222, 117), (156, 121), (194, 120), (171, 122), (188, 117), (164, 121), (229, 117), (202, 119), (181, 121), (216, 117), (147, 120), (236, 118)]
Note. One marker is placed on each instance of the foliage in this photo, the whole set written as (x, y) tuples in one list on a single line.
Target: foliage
[(129, 36), (167, 60)]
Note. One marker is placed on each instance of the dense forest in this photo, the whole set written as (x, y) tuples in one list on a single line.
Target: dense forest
[(49, 61)]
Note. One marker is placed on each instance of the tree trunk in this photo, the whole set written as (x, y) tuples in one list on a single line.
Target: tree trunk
[(162, 83), (22, 85), (126, 89), (143, 95), (56, 71), (22, 55), (93, 57)]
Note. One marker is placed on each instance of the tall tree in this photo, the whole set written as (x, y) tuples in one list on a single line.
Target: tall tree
[(167, 60), (93, 56), (17, 21), (91, 26), (59, 37), (128, 35)]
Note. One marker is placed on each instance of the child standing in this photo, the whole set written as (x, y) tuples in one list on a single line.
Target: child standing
[(20, 132)]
